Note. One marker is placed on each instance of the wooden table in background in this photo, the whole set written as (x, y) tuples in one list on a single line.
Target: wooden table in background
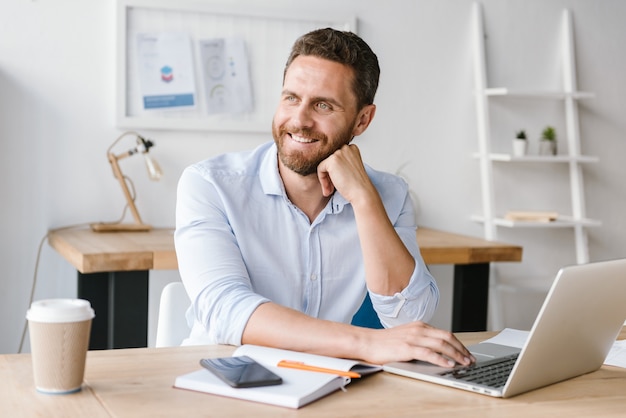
[(113, 270), (471, 257), (138, 383), (113, 274)]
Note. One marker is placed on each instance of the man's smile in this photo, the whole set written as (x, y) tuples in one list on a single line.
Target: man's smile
[(302, 140)]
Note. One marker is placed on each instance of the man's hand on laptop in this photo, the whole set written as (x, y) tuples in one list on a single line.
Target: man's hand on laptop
[(417, 341)]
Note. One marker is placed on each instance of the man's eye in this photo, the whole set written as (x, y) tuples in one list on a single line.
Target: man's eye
[(324, 107), (290, 101)]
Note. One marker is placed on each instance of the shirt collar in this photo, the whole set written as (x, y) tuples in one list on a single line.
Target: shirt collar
[(268, 173), (337, 203), (272, 183)]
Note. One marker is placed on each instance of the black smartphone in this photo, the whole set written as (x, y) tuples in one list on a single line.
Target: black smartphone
[(241, 372)]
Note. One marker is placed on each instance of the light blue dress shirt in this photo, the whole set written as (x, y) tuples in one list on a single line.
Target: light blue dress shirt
[(240, 242)]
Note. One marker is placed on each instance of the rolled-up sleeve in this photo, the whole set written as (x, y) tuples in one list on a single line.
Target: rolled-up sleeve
[(210, 263), (419, 299)]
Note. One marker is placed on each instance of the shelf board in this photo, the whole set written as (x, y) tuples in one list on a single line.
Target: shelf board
[(537, 94), (561, 222), (541, 158)]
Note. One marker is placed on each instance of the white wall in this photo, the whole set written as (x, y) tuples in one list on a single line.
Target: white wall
[(57, 95)]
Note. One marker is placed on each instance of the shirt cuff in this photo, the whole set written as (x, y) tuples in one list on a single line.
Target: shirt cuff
[(417, 302)]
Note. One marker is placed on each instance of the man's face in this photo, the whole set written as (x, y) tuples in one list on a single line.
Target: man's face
[(316, 115)]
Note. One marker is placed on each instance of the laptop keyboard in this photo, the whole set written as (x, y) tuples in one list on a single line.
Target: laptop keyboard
[(493, 373)]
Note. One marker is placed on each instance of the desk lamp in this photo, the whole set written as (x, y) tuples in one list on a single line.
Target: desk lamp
[(154, 172)]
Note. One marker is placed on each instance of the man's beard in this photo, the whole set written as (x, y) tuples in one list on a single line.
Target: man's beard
[(306, 164)]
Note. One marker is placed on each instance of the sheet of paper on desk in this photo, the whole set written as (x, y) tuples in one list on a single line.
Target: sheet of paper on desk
[(510, 337), (517, 338), (617, 355)]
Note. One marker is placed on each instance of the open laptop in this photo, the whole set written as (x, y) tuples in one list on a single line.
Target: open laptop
[(578, 323)]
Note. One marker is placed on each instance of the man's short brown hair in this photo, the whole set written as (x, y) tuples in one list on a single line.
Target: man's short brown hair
[(345, 48)]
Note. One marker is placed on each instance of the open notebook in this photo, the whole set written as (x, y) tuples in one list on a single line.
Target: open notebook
[(572, 335), (299, 387)]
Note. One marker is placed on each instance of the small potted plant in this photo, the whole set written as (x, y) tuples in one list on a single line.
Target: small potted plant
[(547, 143), (520, 144)]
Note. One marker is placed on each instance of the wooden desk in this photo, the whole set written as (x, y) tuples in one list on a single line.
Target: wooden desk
[(138, 383), (113, 274), (471, 257)]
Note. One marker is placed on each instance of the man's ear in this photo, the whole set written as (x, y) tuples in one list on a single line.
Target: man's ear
[(364, 119)]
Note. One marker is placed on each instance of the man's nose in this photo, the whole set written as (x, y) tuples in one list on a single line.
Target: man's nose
[(303, 116)]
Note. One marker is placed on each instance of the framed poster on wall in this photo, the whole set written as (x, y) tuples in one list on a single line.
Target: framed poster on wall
[(185, 65)]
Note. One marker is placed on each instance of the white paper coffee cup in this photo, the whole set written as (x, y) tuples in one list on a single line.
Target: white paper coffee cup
[(59, 339)]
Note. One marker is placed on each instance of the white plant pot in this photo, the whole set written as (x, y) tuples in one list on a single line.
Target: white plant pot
[(520, 146), (547, 147)]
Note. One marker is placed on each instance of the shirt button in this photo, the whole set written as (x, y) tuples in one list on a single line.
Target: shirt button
[(313, 277)]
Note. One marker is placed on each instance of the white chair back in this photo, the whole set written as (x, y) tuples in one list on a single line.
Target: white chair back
[(172, 326)]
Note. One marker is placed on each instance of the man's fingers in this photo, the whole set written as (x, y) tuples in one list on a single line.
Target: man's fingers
[(438, 346), (325, 181)]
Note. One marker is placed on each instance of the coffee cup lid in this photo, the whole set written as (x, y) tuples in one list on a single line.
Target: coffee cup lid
[(60, 310)]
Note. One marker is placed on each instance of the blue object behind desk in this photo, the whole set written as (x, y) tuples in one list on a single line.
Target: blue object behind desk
[(366, 316)]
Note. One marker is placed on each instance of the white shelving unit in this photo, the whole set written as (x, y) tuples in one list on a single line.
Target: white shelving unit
[(573, 159)]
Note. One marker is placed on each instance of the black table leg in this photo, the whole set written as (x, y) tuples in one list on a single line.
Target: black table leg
[(470, 297), (120, 301)]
